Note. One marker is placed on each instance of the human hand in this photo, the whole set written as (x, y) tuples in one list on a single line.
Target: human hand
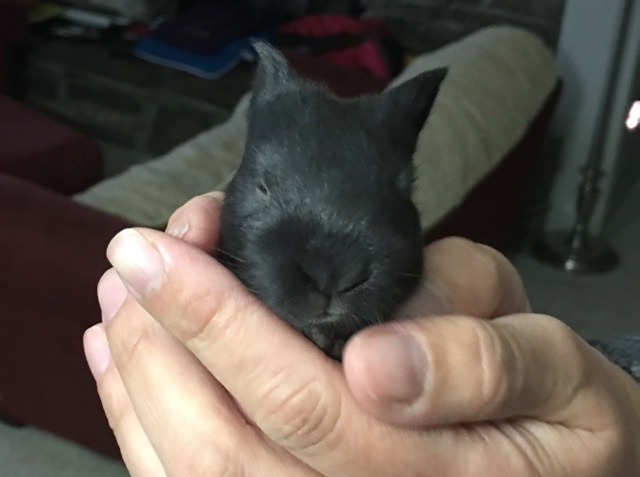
[(517, 395)]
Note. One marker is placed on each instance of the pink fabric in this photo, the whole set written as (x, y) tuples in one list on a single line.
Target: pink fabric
[(324, 25), (366, 55)]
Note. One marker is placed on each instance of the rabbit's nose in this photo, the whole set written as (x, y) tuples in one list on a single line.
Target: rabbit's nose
[(352, 281), (335, 307), (337, 282)]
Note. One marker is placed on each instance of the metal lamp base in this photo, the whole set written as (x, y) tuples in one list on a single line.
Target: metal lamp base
[(593, 255)]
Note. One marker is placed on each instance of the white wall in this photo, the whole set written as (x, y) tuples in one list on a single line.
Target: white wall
[(586, 47), (622, 145)]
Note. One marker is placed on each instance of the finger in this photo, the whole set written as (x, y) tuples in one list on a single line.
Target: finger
[(466, 278), (137, 452), (197, 221), (190, 420), (445, 370), (111, 294), (128, 336), (294, 393)]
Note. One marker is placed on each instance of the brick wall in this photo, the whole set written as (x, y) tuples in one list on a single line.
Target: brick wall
[(124, 101)]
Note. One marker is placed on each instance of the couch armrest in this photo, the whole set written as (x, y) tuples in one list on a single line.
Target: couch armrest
[(53, 253), (43, 150)]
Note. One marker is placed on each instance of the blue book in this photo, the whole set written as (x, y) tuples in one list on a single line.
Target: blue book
[(205, 65)]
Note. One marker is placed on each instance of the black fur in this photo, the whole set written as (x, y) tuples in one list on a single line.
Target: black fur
[(318, 221)]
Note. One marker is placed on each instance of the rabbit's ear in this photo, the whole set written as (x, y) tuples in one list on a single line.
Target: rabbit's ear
[(274, 74), (402, 113), (407, 106)]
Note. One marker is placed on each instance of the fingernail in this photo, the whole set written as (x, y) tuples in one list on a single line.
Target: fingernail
[(139, 264), (96, 350), (217, 195), (178, 230), (111, 294), (399, 363)]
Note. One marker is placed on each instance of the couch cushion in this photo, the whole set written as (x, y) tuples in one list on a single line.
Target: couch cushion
[(147, 194), (499, 79)]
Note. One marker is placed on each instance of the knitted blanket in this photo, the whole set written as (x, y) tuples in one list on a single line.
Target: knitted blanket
[(623, 351)]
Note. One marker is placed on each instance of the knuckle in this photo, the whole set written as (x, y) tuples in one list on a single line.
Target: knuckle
[(300, 417), (487, 266), (454, 247), (505, 363), (566, 341), (179, 212), (471, 272), (569, 348), (507, 291), (128, 339), (475, 252), (496, 363), (211, 318)]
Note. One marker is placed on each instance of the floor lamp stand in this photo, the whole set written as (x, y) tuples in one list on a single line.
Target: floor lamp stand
[(576, 250)]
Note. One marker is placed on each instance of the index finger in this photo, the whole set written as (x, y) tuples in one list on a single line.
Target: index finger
[(198, 221), (466, 278)]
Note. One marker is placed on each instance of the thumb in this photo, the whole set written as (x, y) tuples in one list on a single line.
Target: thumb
[(457, 369)]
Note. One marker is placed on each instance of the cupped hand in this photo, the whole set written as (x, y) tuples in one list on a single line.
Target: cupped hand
[(199, 378)]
